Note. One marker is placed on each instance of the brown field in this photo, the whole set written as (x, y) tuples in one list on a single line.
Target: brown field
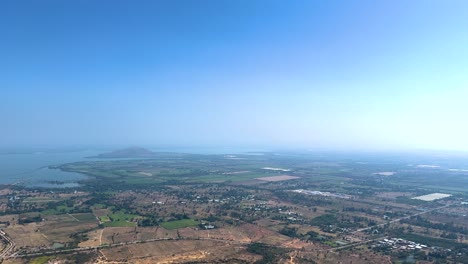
[(94, 239), (228, 234), (177, 252), (127, 234), (245, 233), (101, 212), (14, 261), (277, 178), (58, 228), (27, 236), (392, 195), (55, 228), (9, 218)]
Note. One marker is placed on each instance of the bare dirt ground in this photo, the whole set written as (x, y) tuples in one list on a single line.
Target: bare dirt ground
[(9, 218), (245, 233), (14, 261), (392, 195), (228, 233), (27, 236), (94, 239), (128, 234), (172, 251), (57, 228), (259, 234)]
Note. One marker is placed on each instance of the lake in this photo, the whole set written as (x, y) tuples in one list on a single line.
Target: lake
[(31, 169)]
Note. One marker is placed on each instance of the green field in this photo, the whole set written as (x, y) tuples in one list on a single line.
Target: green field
[(99, 206), (122, 216), (84, 217), (41, 260), (119, 219), (178, 168), (61, 209), (179, 224), (119, 224), (104, 218)]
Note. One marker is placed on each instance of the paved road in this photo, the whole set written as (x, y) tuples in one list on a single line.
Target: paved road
[(10, 242), (406, 217)]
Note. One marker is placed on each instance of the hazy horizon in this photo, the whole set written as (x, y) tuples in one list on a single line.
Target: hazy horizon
[(345, 75)]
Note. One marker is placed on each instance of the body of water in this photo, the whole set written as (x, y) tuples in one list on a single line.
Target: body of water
[(31, 169)]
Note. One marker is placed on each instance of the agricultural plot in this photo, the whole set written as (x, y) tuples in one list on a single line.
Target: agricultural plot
[(116, 219), (162, 251), (127, 234), (84, 217), (41, 200), (119, 223), (58, 228), (179, 224), (26, 236)]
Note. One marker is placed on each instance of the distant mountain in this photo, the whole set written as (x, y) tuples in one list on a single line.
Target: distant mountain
[(134, 152)]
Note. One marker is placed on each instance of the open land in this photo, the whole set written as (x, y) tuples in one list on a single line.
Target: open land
[(432, 197), (277, 178), (187, 208)]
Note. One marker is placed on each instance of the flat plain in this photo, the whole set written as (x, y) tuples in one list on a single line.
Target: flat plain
[(187, 208)]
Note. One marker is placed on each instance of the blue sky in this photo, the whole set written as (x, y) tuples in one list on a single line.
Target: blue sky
[(308, 74)]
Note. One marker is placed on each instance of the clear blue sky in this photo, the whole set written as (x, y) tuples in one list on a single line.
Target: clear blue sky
[(312, 74)]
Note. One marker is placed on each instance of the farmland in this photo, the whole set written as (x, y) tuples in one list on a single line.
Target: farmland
[(176, 224), (243, 208)]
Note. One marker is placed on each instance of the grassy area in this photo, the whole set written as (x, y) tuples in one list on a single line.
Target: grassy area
[(122, 216), (61, 209), (119, 219), (41, 260), (84, 217), (331, 243), (179, 224), (99, 206), (104, 218)]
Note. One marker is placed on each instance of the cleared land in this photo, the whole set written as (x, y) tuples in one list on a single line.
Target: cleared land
[(277, 178), (432, 197)]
